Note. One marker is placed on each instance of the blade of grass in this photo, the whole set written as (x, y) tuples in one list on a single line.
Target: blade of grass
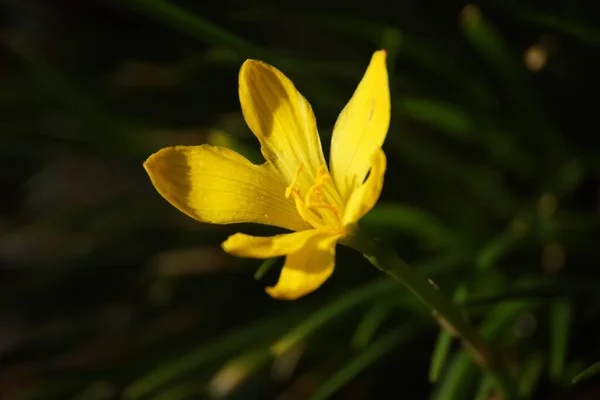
[(411, 220), (587, 373), (439, 114), (530, 374), (368, 325), (110, 129), (181, 391), (457, 382), (346, 302), (332, 310), (441, 349), (384, 257), (212, 351), (458, 379), (192, 24), (499, 246), (235, 371), (575, 28), (484, 37), (485, 388), (362, 361), (264, 267), (560, 321)]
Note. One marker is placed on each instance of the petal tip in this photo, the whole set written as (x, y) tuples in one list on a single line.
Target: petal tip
[(232, 243), (281, 295), (251, 65), (155, 161), (379, 57), (151, 163), (381, 53)]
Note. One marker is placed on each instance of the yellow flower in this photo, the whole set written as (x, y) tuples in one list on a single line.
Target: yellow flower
[(293, 189)]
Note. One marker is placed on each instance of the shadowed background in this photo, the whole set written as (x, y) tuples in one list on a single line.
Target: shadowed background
[(492, 190)]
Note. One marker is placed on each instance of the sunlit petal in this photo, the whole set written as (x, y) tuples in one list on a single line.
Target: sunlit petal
[(361, 128), (282, 120), (217, 185)]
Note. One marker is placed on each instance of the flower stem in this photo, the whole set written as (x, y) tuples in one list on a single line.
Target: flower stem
[(450, 317)]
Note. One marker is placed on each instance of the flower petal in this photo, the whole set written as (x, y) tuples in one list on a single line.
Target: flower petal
[(365, 196), (243, 245), (306, 269), (282, 120), (361, 128), (217, 185)]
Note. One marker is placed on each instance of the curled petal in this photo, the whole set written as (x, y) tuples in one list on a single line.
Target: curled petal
[(307, 269), (364, 198), (243, 245)]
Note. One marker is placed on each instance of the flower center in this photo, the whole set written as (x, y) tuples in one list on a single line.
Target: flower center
[(316, 206)]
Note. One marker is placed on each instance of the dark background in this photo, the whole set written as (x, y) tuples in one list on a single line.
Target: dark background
[(492, 189)]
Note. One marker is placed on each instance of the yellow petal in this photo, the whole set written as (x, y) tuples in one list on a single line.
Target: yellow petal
[(365, 196), (361, 128), (282, 120), (306, 269), (243, 245), (217, 185)]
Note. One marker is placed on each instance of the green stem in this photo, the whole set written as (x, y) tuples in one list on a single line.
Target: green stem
[(450, 316)]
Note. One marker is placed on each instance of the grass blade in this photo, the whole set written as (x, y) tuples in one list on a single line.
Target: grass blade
[(587, 373), (560, 321), (368, 325), (332, 310), (361, 362), (443, 342), (205, 354)]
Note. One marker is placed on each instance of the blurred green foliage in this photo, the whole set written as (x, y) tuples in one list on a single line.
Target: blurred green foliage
[(492, 190)]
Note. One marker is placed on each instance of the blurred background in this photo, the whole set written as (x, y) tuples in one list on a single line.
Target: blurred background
[(492, 190)]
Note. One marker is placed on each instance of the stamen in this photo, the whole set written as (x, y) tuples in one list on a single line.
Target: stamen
[(312, 207), (291, 187), (305, 212), (325, 206), (322, 176), (309, 194)]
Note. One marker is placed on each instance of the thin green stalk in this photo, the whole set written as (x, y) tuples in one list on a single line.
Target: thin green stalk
[(450, 316)]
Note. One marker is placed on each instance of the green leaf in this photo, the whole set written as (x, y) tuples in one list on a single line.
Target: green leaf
[(264, 267), (587, 373), (362, 361), (212, 351), (411, 220), (186, 21), (458, 379), (575, 28), (332, 310), (484, 37), (442, 115), (235, 371), (485, 387), (109, 130), (368, 325), (560, 324), (530, 374), (499, 246), (444, 341)]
